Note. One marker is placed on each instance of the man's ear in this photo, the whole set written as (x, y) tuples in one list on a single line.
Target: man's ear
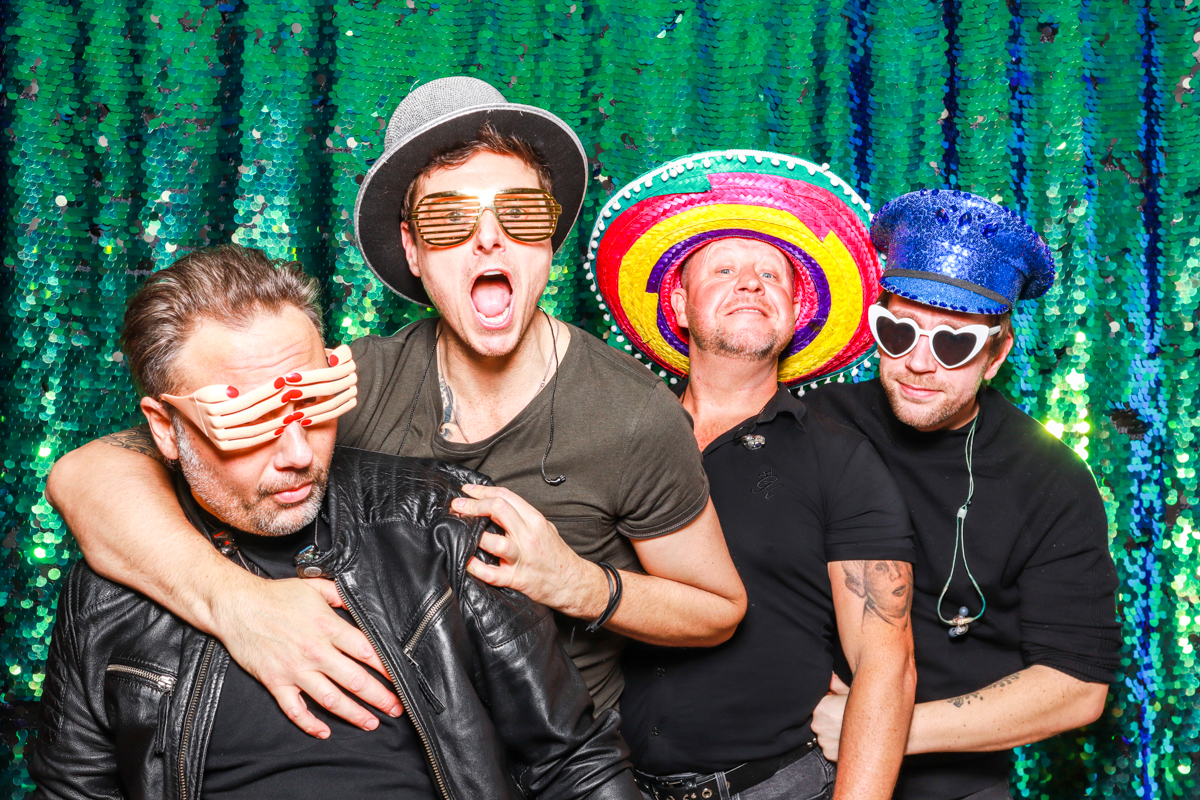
[(998, 359), (679, 305), (410, 248), (160, 427)]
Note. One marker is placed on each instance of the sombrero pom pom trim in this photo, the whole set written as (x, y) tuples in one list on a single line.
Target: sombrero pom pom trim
[(649, 227)]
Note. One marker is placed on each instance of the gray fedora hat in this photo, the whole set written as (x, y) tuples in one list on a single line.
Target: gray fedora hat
[(436, 116)]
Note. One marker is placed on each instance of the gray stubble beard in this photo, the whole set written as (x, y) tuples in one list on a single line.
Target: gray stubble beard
[(249, 517), (720, 344)]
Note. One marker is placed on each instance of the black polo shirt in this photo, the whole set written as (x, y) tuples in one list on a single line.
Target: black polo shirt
[(812, 493)]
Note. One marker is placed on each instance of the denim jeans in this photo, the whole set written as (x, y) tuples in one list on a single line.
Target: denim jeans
[(810, 778)]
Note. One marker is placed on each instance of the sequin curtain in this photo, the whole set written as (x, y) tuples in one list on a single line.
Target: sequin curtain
[(134, 130)]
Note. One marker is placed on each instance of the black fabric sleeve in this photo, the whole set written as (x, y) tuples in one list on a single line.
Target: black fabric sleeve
[(866, 518), (540, 705), (1068, 608), (74, 755), (663, 483)]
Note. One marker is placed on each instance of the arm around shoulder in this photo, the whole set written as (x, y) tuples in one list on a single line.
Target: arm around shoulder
[(116, 496)]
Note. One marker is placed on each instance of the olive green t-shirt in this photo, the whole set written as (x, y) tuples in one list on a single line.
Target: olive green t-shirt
[(624, 442)]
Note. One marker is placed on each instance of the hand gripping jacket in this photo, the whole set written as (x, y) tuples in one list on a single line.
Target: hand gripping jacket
[(501, 711)]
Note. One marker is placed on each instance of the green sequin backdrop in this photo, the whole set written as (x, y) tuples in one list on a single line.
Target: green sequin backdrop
[(134, 130)]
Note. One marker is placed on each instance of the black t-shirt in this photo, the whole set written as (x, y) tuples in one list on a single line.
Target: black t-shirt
[(621, 438), (256, 752), (814, 492), (1036, 539)]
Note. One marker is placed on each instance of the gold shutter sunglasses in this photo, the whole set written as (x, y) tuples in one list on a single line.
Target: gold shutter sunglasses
[(446, 219)]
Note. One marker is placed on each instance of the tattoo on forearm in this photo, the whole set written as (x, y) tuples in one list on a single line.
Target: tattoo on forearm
[(885, 586), (966, 699), (137, 440)]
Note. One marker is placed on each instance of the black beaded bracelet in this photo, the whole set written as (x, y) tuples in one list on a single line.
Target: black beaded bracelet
[(614, 596)]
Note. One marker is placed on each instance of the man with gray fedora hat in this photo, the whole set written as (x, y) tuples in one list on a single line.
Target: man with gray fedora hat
[(601, 494)]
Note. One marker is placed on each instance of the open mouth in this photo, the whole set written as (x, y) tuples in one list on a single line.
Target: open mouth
[(492, 296)]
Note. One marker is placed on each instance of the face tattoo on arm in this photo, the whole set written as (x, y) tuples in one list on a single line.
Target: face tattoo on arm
[(885, 586)]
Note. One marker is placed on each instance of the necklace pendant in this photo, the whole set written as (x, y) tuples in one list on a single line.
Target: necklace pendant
[(753, 441), (305, 562), (961, 623)]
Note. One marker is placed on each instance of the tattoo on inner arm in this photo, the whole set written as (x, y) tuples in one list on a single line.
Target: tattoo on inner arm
[(885, 586), (137, 440), (966, 699)]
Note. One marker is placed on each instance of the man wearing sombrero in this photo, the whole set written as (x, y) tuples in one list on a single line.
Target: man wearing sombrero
[(605, 503), (744, 271), (1014, 618)]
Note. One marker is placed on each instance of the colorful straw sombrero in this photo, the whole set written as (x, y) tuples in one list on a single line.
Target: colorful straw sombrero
[(647, 229)]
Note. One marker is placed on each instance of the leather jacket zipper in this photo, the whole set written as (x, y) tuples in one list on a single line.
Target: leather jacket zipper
[(433, 611), (164, 682), (424, 737), (191, 715)]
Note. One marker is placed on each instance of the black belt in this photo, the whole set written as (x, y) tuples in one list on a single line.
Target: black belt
[(738, 779)]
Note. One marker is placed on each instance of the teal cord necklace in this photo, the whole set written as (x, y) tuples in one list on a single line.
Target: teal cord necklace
[(962, 622)]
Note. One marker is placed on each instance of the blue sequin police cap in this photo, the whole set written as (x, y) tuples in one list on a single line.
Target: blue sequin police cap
[(958, 251)]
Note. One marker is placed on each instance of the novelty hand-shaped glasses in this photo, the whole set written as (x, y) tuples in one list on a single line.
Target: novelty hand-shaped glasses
[(235, 420)]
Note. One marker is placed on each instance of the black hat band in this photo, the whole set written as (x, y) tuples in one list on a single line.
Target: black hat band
[(961, 284)]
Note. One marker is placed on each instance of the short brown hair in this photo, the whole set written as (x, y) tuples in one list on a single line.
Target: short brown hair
[(224, 284), (487, 140), (1003, 320)]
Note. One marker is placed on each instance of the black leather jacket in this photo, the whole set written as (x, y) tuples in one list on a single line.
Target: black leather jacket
[(131, 691)]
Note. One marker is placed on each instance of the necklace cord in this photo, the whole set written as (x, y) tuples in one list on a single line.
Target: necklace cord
[(961, 621), (413, 410), (553, 391)]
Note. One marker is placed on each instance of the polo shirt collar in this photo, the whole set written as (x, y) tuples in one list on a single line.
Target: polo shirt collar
[(782, 402)]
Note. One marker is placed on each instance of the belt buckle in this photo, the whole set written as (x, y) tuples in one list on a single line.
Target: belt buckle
[(682, 789), (690, 787)]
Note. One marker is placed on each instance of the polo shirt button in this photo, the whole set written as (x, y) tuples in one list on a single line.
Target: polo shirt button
[(661, 672), (655, 731)]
